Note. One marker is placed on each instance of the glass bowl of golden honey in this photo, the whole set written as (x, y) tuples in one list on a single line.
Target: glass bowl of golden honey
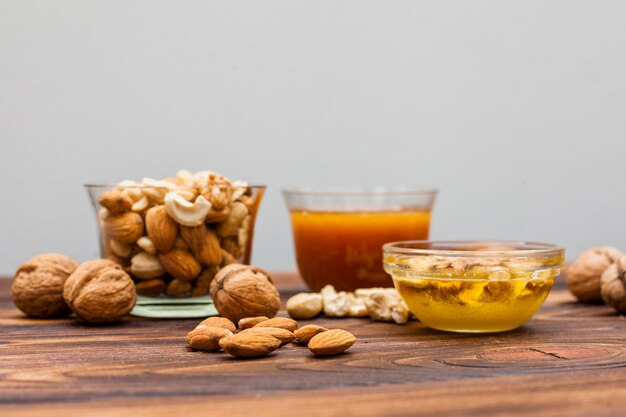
[(338, 233), (473, 286)]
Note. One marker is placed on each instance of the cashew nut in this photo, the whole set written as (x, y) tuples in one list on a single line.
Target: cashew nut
[(156, 190), (185, 212), (120, 249), (386, 305), (238, 213), (145, 265), (140, 205), (304, 305), (357, 307), (336, 304), (147, 244)]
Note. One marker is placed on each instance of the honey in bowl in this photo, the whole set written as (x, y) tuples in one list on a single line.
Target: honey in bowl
[(450, 286), (338, 236)]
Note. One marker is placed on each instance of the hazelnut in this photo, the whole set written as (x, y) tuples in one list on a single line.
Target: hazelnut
[(100, 291), (614, 285), (584, 274), (241, 291), (38, 285)]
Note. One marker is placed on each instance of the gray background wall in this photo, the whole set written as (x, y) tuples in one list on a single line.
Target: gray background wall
[(515, 110)]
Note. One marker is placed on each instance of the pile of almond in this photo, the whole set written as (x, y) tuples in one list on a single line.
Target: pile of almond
[(260, 336), (173, 235)]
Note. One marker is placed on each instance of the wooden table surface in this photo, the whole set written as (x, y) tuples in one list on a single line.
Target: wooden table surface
[(570, 359)]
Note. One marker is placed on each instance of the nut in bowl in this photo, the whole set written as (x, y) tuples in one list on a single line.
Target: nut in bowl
[(473, 286), (173, 235)]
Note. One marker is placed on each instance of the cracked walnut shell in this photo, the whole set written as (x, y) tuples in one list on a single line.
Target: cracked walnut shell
[(585, 273), (614, 285), (38, 285), (100, 291), (241, 291)]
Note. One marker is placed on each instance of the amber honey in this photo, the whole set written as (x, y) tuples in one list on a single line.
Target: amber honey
[(344, 248)]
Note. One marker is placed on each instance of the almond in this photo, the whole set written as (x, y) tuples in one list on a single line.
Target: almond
[(305, 333), (181, 264), (161, 228), (285, 336), (331, 342), (280, 322), (203, 243), (125, 228), (116, 203), (222, 322), (248, 322), (207, 338), (249, 345), (178, 288)]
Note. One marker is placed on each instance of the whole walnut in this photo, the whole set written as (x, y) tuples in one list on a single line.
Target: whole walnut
[(585, 273), (240, 291), (614, 285), (100, 291), (38, 285)]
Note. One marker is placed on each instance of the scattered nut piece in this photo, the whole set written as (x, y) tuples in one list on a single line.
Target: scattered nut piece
[(331, 342), (336, 304), (100, 291), (240, 291), (37, 288), (305, 333), (207, 338), (249, 345), (387, 306), (279, 322), (222, 322), (304, 305), (585, 273), (249, 322), (614, 285)]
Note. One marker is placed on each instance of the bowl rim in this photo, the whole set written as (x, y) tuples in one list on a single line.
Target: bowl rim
[(360, 190), (174, 187), (534, 248)]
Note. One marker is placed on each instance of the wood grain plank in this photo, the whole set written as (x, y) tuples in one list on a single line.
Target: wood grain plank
[(568, 360)]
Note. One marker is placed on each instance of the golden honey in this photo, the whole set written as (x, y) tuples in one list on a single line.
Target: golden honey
[(344, 248), (473, 287), (473, 306)]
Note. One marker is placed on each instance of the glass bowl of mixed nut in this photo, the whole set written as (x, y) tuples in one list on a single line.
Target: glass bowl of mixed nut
[(473, 286), (174, 234)]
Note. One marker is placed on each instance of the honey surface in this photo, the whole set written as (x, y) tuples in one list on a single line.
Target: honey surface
[(345, 248), (473, 306)]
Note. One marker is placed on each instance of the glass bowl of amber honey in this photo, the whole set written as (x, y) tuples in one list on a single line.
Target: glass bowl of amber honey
[(338, 233), (473, 286)]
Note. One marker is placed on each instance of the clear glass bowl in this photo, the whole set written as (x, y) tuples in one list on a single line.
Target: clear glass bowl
[(173, 266), (473, 286), (338, 233)]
